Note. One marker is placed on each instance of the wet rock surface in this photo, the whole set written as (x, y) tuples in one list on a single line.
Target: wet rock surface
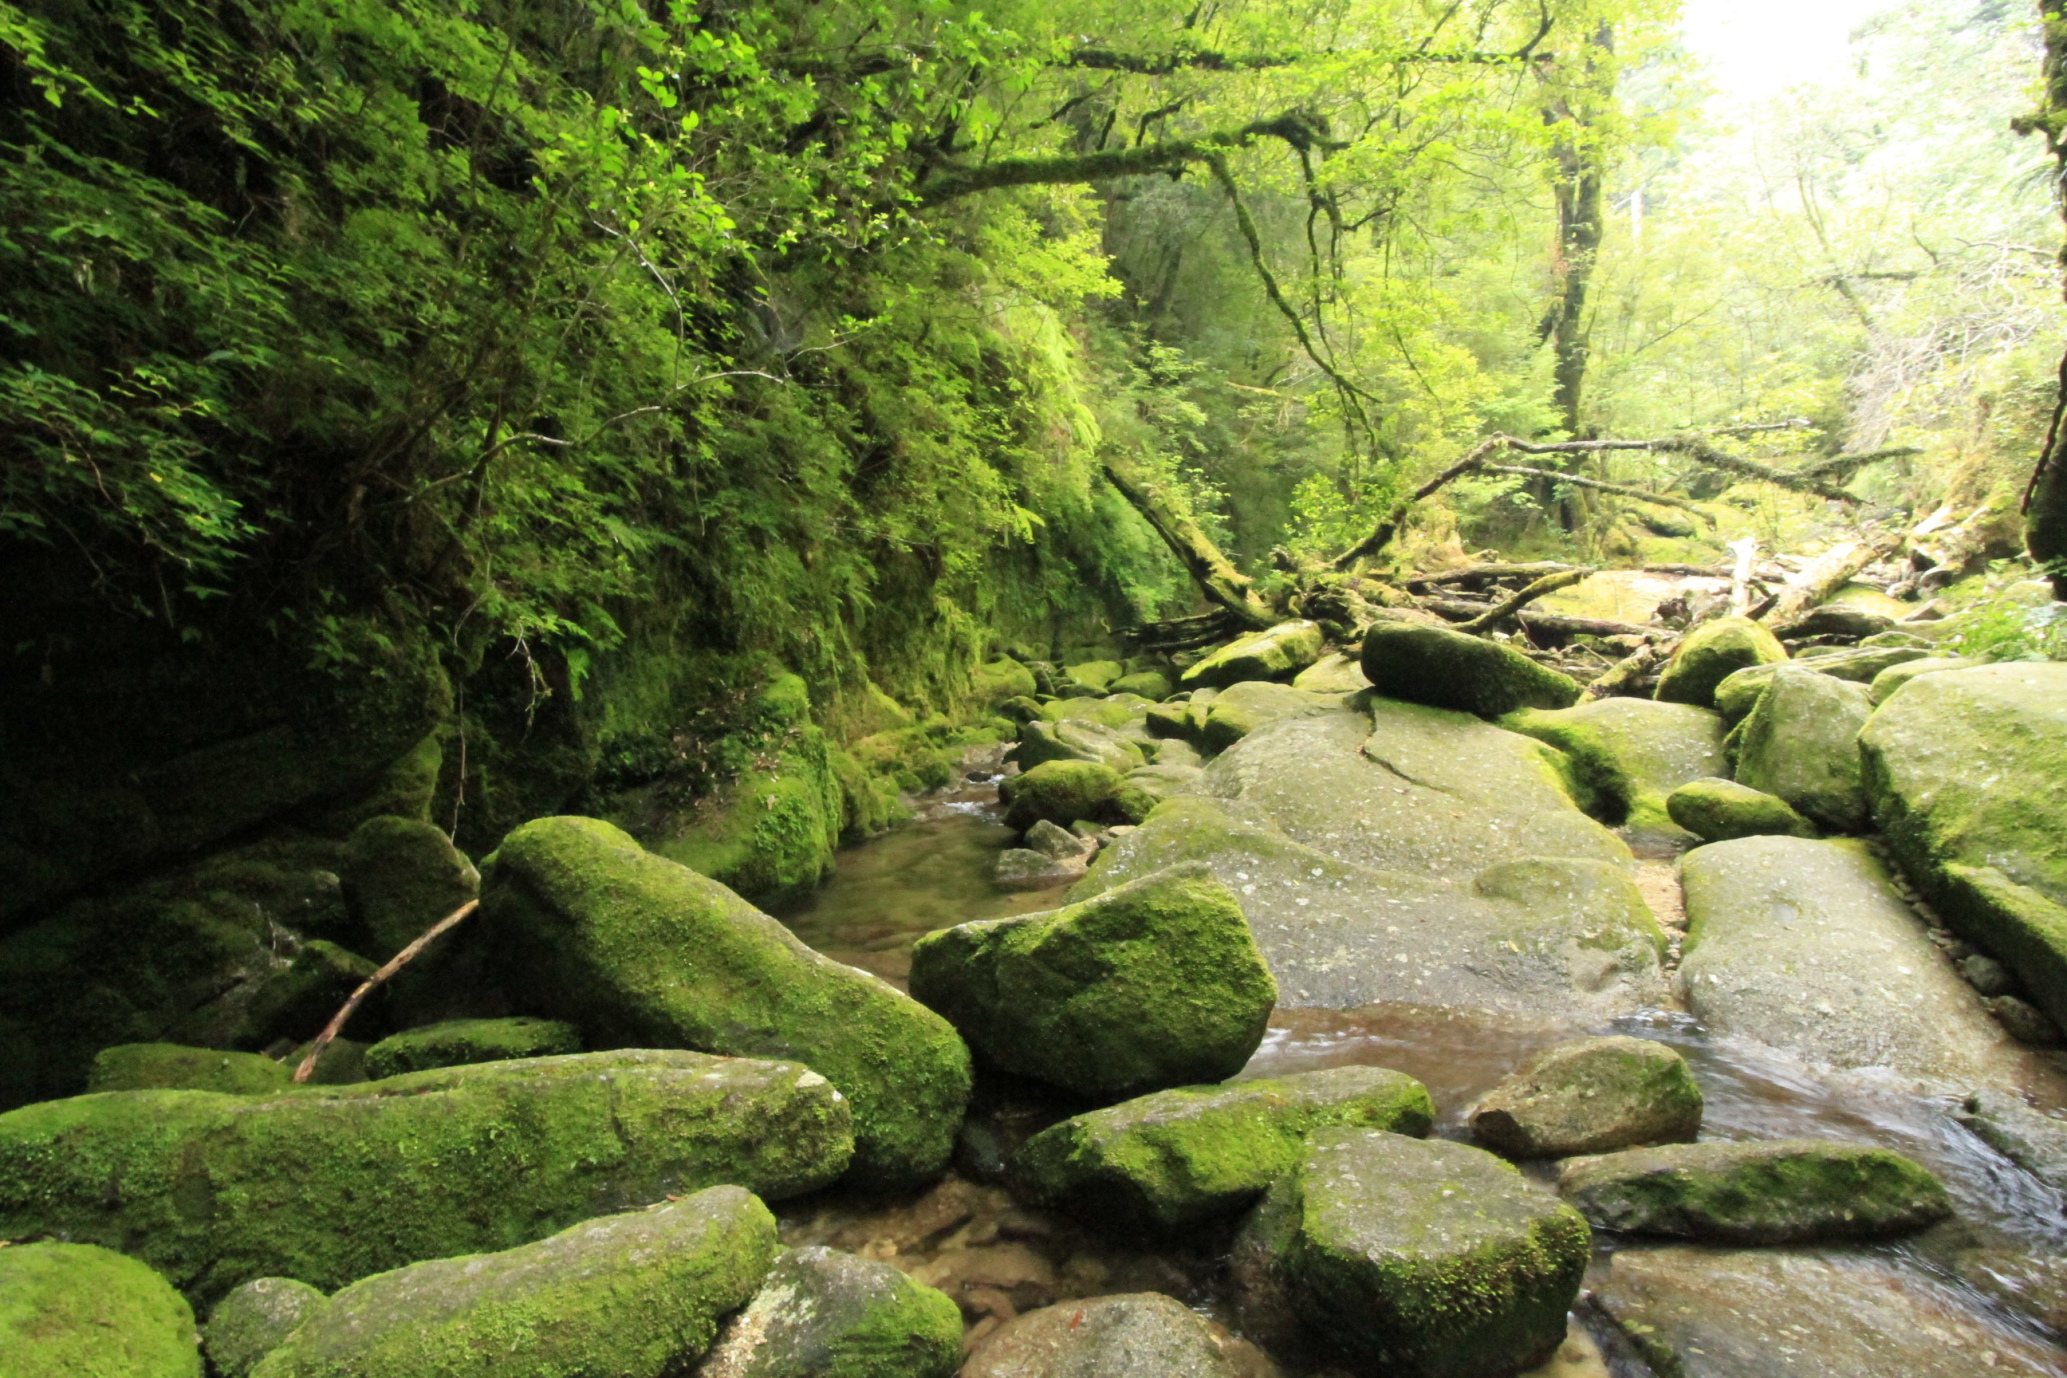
[(1591, 1096), (820, 1311), (1807, 947), (1771, 1313), (1756, 1193), (1142, 1335)]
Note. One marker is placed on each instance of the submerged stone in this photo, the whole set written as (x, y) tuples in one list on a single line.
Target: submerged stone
[(1132, 1335), (1964, 770), (1802, 743), (78, 1311), (460, 1042), (2033, 1141), (170, 1067), (1591, 1096), (1278, 653), (636, 1295), (824, 1314), (1154, 984), (1413, 1256), (1712, 651), (1719, 810), (1789, 1192), (331, 1184), (1173, 1159), (640, 951), (1763, 1313), (1447, 669), (254, 1320)]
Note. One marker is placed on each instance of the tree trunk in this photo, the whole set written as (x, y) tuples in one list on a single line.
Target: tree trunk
[(2045, 500), (1208, 566)]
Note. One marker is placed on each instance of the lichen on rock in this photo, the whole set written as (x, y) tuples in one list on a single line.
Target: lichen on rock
[(1591, 1096)]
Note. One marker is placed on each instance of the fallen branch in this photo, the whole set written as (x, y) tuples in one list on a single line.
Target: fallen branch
[(1622, 489), (1388, 525), (1624, 672), (1554, 624), (1549, 583), (1208, 566), (371, 983), (1844, 464), (1822, 577)]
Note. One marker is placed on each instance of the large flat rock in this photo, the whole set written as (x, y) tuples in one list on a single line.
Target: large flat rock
[(1563, 939), (1773, 1313), (1806, 947)]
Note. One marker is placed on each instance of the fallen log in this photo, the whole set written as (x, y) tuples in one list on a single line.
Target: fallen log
[(1208, 566), (1625, 672), (1602, 485), (1475, 573), (1822, 577), (1549, 583), (1462, 610)]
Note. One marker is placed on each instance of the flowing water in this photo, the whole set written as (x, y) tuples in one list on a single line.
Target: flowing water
[(968, 1236)]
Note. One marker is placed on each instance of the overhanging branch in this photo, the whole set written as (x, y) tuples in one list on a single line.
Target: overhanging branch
[(947, 183)]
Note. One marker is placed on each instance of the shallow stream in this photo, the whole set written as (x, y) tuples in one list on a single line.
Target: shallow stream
[(969, 1238)]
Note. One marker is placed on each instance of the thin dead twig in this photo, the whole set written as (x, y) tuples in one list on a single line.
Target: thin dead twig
[(371, 983)]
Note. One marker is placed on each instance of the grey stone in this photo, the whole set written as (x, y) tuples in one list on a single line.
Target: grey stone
[(1243, 708), (1019, 868), (1055, 843), (1132, 1335), (1987, 975), (1773, 1313), (638, 1295), (1894, 677), (1275, 654), (1807, 947), (2024, 1021), (254, 1320), (1591, 1096), (824, 1314), (1718, 810), (2035, 1142), (1786, 1192), (1041, 741), (1630, 754), (1332, 674), (1802, 743)]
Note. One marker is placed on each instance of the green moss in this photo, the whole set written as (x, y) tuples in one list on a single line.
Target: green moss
[(639, 950), (1155, 983), (1422, 1257), (1801, 742), (1591, 1096), (1235, 712), (1176, 1158), (1446, 669), (1756, 1193), (1278, 653), (298, 1002), (822, 1312), (329, 1185), (460, 1042), (400, 876), (1626, 755), (1717, 810), (636, 1295), (1710, 653), (254, 1320), (77, 1311), (1153, 685), (1064, 791), (168, 1066), (1000, 680)]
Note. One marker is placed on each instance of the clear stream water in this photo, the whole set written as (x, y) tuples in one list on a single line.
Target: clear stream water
[(972, 1240)]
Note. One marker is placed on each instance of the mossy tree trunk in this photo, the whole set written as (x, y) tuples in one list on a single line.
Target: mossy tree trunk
[(2045, 500)]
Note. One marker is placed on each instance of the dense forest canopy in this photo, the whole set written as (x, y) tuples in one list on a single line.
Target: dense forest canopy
[(512, 328)]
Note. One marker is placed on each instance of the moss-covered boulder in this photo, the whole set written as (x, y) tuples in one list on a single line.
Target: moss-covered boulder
[(1786, 1192), (1153, 685), (170, 1067), (1154, 984), (1001, 680), (1413, 1256), (1042, 741), (1275, 654), (639, 951), (298, 1001), (1894, 677), (460, 1042), (636, 1295), (1591, 1096), (1802, 743), (824, 1314), (1332, 674), (329, 1185), (1176, 1158), (1711, 652), (1629, 754), (1247, 707), (1447, 669), (1064, 791), (401, 875), (78, 1311), (772, 833), (1964, 771), (254, 1320), (1717, 810), (1131, 1335)]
